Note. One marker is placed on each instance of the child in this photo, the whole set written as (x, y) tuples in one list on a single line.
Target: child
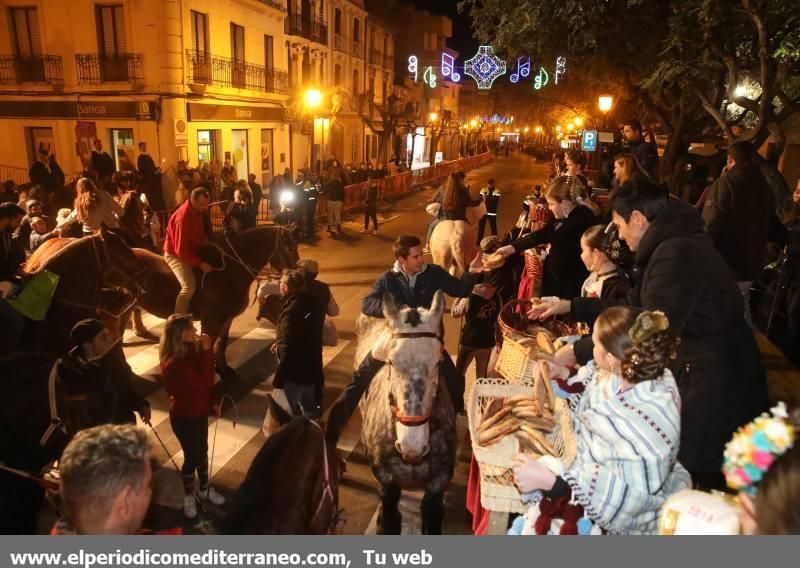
[(627, 432), (762, 462), (187, 369), (39, 233)]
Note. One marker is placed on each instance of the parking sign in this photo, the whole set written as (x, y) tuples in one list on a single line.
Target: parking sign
[(589, 141)]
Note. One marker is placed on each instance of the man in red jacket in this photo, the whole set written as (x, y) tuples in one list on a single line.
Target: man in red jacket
[(186, 233)]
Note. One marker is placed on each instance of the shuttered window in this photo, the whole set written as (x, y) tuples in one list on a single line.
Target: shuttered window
[(25, 29), (237, 42), (111, 39), (200, 32), (269, 55)]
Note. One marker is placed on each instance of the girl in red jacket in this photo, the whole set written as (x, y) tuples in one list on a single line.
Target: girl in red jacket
[(187, 369)]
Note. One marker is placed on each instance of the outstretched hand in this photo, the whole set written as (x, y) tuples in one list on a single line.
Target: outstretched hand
[(547, 310), (530, 475), (476, 266)]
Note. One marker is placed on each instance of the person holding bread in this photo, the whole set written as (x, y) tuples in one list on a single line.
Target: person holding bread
[(627, 431)]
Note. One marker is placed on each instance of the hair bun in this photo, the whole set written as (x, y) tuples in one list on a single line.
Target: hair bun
[(647, 324)]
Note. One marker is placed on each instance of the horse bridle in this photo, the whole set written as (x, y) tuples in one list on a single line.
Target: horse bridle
[(129, 282), (407, 420), (327, 487)]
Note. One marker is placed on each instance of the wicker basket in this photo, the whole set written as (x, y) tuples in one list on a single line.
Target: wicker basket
[(517, 359), (498, 492)]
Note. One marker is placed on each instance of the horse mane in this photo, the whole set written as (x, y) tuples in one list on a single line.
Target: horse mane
[(40, 259), (261, 477)]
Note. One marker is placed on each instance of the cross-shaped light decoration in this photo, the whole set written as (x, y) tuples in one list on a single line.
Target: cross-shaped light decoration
[(485, 67)]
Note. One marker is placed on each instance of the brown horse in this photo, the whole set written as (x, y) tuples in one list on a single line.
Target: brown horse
[(89, 269), (224, 293), (288, 491)]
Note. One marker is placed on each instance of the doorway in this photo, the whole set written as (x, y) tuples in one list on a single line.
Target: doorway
[(266, 157), (123, 149), (239, 153)]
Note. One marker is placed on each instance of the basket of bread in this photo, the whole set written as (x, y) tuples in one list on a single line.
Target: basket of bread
[(508, 418)]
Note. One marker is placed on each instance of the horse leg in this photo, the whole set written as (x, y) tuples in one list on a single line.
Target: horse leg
[(139, 328), (389, 518), (432, 512), (220, 346)]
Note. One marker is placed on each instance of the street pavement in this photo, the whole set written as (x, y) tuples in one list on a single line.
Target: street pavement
[(350, 264)]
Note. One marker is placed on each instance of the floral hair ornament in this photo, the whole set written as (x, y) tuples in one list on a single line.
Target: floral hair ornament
[(648, 323), (755, 447)]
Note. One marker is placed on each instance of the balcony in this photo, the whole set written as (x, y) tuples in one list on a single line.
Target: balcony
[(388, 62), (42, 69), (357, 49), (339, 44), (375, 57), (206, 69), (309, 29), (277, 4), (95, 68)]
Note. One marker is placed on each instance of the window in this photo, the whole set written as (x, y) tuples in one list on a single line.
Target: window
[(269, 58), (337, 21), (337, 75), (123, 149), (207, 144), (290, 67), (237, 55), (356, 31), (112, 43), (199, 32), (372, 86), (25, 32), (383, 92), (307, 78), (355, 82)]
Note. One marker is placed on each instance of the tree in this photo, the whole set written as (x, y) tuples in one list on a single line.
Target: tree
[(394, 114)]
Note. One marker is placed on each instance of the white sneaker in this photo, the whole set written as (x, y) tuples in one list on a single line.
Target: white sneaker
[(211, 495), (374, 231), (189, 507), (364, 231)]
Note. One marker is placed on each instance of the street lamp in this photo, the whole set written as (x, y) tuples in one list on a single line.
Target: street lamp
[(604, 102), (558, 128), (570, 127), (313, 99), (473, 123), (434, 116), (578, 121)]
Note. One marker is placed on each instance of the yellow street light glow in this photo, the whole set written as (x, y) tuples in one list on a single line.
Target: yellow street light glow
[(605, 102), (434, 116), (313, 98), (558, 128), (473, 123), (538, 129), (579, 121), (740, 91), (526, 129), (570, 126)]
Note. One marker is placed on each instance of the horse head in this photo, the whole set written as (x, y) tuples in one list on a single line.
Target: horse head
[(414, 355), (118, 264), (285, 254)]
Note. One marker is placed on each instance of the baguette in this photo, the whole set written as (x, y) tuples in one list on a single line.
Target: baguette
[(494, 419), (520, 399), (544, 343), (528, 441), (539, 388), (538, 423), (543, 443), (548, 387), (497, 432), (491, 409)]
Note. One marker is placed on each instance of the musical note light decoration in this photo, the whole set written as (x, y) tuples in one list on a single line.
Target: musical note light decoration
[(485, 67), (430, 77), (413, 66), (541, 80), (523, 69), (448, 68), (561, 68)]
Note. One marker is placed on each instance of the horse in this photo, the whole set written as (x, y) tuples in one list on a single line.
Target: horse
[(288, 491), (408, 426), (88, 269), (223, 293), (453, 243), (25, 418)]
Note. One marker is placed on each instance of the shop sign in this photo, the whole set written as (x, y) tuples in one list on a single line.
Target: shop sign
[(181, 132), (203, 112), (81, 110)]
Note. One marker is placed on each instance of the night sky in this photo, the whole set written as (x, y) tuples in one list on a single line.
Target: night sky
[(462, 40)]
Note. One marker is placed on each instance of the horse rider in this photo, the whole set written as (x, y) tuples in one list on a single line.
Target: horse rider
[(413, 283), (187, 231), (454, 199), (491, 197), (105, 483), (95, 380)]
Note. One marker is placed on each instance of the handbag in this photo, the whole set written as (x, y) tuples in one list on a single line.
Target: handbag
[(34, 300), (330, 335)]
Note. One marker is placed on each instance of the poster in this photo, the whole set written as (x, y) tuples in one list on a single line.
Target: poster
[(85, 134)]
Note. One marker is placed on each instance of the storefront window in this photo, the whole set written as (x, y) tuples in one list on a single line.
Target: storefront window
[(206, 146), (124, 150)]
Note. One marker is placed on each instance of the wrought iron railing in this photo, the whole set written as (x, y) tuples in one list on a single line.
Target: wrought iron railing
[(309, 29), (36, 69), (357, 49), (207, 69), (108, 68), (339, 43), (375, 57), (277, 4)]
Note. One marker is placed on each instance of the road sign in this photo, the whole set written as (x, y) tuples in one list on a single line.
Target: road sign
[(589, 141)]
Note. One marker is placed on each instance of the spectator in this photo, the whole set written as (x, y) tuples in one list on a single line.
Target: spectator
[(576, 161), (241, 213), (40, 234), (645, 153), (187, 369), (8, 192), (228, 174), (371, 206), (255, 189), (275, 187), (491, 197), (46, 172), (186, 233), (102, 163), (737, 214), (97, 365), (287, 176), (12, 323), (145, 163), (105, 481), (34, 208), (68, 230), (335, 195), (298, 346)]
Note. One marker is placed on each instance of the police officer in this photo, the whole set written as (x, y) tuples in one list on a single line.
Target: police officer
[(310, 196), (491, 197)]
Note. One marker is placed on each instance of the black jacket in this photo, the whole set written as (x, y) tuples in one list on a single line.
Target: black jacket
[(646, 156), (49, 178), (107, 384), (737, 212), (238, 218), (432, 279), (103, 163), (563, 272), (615, 290), (335, 190), (718, 367), (459, 210), (146, 165), (258, 195), (300, 341)]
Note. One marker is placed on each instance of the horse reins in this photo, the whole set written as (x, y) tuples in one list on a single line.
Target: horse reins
[(327, 488), (410, 420)]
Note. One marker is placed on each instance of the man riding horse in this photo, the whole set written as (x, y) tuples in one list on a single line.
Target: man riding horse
[(411, 282), (187, 231)]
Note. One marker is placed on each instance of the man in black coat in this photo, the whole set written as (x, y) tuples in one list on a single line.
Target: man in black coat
[(298, 346), (737, 214), (410, 283), (718, 366), (255, 188), (102, 162), (645, 153), (46, 172), (145, 163)]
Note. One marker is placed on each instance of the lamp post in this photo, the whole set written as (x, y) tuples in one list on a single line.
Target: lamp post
[(604, 103), (312, 99)]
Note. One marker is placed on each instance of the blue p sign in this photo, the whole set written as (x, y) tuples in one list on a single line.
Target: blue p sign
[(589, 141)]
